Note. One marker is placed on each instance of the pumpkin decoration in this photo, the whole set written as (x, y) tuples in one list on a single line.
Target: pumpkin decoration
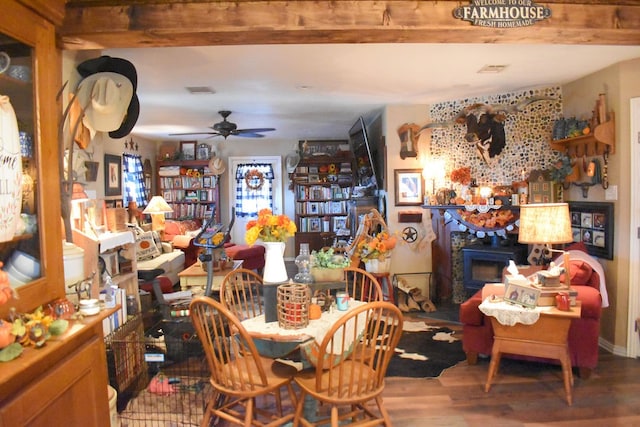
[(6, 292), (6, 334)]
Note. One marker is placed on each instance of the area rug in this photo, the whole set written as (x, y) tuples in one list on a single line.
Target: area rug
[(425, 351)]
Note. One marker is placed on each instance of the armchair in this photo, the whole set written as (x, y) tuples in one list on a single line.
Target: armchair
[(587, 278)]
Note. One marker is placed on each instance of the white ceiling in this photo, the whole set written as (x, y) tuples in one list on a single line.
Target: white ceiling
[(318, 91)]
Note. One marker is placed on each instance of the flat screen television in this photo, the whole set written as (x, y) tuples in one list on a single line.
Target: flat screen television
[(369, 156)]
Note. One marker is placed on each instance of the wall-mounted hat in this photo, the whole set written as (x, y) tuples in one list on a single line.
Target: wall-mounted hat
[(108, 64), (292, 161), (105, 98), (216, 166), (124, 67)]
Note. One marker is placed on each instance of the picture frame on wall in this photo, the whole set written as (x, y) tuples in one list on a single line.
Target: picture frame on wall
[(112, 175), (592, 224), (204, 152), (409, 187), (188, 150)]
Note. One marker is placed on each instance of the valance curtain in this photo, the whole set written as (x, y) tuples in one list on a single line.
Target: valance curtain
[(135, 189), (254, 182)]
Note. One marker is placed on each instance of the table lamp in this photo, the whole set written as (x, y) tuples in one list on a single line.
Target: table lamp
[(546, 224), (157, 207)]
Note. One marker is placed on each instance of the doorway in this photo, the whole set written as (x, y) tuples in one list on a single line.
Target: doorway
[(633, 340), (275, 193)]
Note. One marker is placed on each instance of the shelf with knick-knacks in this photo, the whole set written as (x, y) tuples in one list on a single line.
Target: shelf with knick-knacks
[(596, 142)]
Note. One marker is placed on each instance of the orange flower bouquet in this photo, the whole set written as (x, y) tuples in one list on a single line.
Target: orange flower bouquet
[(269, 228), (376, 247), (461, 175)]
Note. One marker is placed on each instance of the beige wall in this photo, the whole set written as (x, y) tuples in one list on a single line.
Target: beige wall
[(620, 84)]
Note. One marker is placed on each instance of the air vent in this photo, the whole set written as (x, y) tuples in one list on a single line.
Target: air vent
[(200, 90), (492, 69)]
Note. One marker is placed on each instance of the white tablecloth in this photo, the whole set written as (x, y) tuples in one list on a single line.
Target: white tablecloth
[(510, 314), (316, 328)]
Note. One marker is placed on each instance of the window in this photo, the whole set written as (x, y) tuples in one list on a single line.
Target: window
[(253, 189), (135, 189)]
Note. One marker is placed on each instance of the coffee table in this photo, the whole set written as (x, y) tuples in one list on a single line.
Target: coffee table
[(196, 277), (546, 338)]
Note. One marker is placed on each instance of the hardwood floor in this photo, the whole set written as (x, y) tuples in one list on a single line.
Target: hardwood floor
[(523, 394)]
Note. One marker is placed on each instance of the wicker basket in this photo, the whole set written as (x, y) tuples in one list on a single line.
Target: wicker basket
[(293, 305)]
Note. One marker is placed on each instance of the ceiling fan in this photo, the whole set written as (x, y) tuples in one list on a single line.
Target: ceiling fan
[(226, 128)]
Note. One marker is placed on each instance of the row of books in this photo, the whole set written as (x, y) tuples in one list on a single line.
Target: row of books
[(189, 195), (187, 182), (318, 192), (117, 319), (190, 210), (321, 208)]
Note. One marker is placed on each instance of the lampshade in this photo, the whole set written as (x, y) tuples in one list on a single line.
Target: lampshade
[(157, 205), (545, 223)]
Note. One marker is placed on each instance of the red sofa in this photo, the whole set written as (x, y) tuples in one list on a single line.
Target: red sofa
[(583, 334)]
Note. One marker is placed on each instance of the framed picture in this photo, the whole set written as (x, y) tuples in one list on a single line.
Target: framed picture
[(314, 208), (204, 195), (313, 169), (206, 182), (525, 296), (204, 152), (592, 224), (112, 175), (314, 178), (339, 223), (191, 195), (188, 150), (167, 195), (314, 225), (177, 182), (409, 186)]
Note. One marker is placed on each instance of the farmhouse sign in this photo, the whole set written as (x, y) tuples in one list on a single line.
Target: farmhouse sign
[(502, 13)]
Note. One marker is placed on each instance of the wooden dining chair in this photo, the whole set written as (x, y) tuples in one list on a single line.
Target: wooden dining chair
[(346, 384), (238, 373), (362, 285), (240, 293)]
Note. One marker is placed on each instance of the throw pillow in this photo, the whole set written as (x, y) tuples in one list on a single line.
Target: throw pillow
[(146, 247)]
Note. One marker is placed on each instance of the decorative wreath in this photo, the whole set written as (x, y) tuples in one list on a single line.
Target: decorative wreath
[(254, 179)]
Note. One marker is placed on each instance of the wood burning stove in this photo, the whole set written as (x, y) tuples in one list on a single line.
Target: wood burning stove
[(483, 263)]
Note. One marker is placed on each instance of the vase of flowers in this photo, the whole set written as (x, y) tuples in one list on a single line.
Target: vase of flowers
[(375, 252), (273, 231)]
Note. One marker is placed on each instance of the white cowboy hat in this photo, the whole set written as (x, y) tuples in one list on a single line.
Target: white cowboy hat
[(105, 98), (292, 161), (216, 166)]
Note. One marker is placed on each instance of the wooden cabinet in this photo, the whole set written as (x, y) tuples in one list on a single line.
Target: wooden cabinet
[(65, 382), (323, 186), (62, 384), (189, 188)]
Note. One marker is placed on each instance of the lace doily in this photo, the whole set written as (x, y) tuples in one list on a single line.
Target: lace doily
[(509, 314)]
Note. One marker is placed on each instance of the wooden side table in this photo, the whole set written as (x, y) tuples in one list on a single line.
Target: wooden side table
[(196, 276), (546, 338)]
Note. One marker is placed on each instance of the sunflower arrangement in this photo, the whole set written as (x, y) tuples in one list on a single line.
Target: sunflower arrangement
[(269, 228), (376, 247)]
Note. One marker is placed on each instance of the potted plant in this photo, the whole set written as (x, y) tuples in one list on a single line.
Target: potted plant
[(328, 266)]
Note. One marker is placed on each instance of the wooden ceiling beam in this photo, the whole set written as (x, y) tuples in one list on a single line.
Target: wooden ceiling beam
[(99, 24)]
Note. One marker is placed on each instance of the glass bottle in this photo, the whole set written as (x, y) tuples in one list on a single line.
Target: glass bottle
[(303, 262)]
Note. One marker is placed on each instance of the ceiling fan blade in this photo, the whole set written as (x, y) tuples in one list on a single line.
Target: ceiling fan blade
[(196, 133), (253, 130), (248, 135)]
